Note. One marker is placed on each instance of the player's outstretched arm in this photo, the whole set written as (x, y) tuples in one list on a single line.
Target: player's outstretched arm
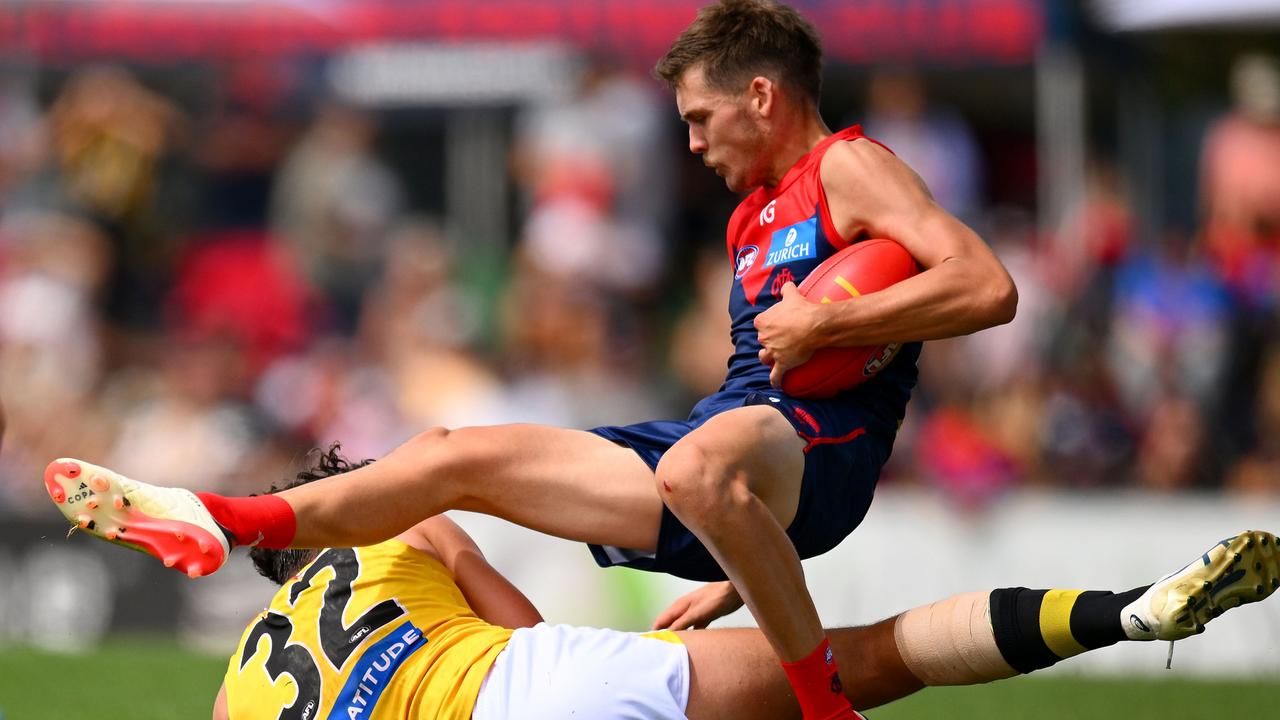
[(963, 287), (487, 591)]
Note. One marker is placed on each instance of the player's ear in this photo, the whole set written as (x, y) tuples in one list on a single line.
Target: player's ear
[(763, 93)]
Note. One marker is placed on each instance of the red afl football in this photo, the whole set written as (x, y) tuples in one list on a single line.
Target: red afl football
[(862, 268)]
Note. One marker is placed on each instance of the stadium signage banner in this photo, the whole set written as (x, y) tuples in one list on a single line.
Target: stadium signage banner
[(856, 31)]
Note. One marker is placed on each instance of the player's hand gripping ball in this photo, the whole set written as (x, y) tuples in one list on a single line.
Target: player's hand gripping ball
[(862, 268)]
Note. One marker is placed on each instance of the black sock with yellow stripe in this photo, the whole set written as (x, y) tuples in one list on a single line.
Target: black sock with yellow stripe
[(1036, 628)]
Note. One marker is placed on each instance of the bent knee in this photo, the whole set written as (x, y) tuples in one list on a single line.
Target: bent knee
[(446, 452), (452, 459), (428, 438), (694, 481), (435, 434)]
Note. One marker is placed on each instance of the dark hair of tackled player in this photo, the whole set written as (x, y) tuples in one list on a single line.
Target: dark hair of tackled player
[(737, 40), (280, 565)]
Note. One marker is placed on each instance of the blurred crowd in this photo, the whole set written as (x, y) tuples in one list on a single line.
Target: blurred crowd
[(198, 298)]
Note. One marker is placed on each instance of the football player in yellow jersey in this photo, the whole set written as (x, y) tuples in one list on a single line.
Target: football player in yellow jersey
[(405, 628), (423, 627)]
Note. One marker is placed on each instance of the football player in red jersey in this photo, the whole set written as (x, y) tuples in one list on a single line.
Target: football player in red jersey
[(753, 479)]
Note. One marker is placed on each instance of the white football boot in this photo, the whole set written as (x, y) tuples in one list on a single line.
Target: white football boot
[(170, 524), (1236, 571)]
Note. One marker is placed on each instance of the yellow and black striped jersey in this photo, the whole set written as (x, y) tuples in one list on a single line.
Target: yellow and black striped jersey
[(364, 634)]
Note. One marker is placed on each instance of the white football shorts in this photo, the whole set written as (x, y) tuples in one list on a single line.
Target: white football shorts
[(554, 672)]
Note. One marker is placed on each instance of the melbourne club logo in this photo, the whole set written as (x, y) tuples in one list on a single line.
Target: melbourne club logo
[(783, 277), (746, 258)]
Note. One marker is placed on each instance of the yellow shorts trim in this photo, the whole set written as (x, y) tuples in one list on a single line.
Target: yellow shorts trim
[(664, 636)]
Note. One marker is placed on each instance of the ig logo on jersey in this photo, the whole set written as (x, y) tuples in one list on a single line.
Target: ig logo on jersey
[(766, 215), (746, 258)]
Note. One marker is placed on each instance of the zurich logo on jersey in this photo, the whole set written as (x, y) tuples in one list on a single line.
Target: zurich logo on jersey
[(746, 258), (794, 242)]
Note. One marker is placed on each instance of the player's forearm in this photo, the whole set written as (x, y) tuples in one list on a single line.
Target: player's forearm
[(956, 297), (493, 598)]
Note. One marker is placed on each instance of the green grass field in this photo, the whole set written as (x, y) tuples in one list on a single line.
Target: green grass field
[(138, 679)]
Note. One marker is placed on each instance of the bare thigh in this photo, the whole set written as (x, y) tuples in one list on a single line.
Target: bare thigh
[(567, 483), (734, 673)]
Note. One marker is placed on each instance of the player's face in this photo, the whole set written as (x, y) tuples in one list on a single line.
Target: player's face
[(724, 129)]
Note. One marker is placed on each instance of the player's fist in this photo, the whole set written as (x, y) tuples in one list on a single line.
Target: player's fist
[(786, 332)]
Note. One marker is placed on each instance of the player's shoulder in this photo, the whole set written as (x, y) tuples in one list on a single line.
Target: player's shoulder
[(856, 166), (858, 153)]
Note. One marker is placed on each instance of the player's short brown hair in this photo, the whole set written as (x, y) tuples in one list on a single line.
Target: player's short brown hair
[(737, 40)]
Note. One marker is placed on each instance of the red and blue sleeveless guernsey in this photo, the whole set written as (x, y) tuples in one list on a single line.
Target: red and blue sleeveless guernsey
[(780, 234)]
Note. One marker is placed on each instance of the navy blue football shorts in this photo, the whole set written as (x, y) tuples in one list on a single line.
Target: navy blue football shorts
[(846, 447)]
